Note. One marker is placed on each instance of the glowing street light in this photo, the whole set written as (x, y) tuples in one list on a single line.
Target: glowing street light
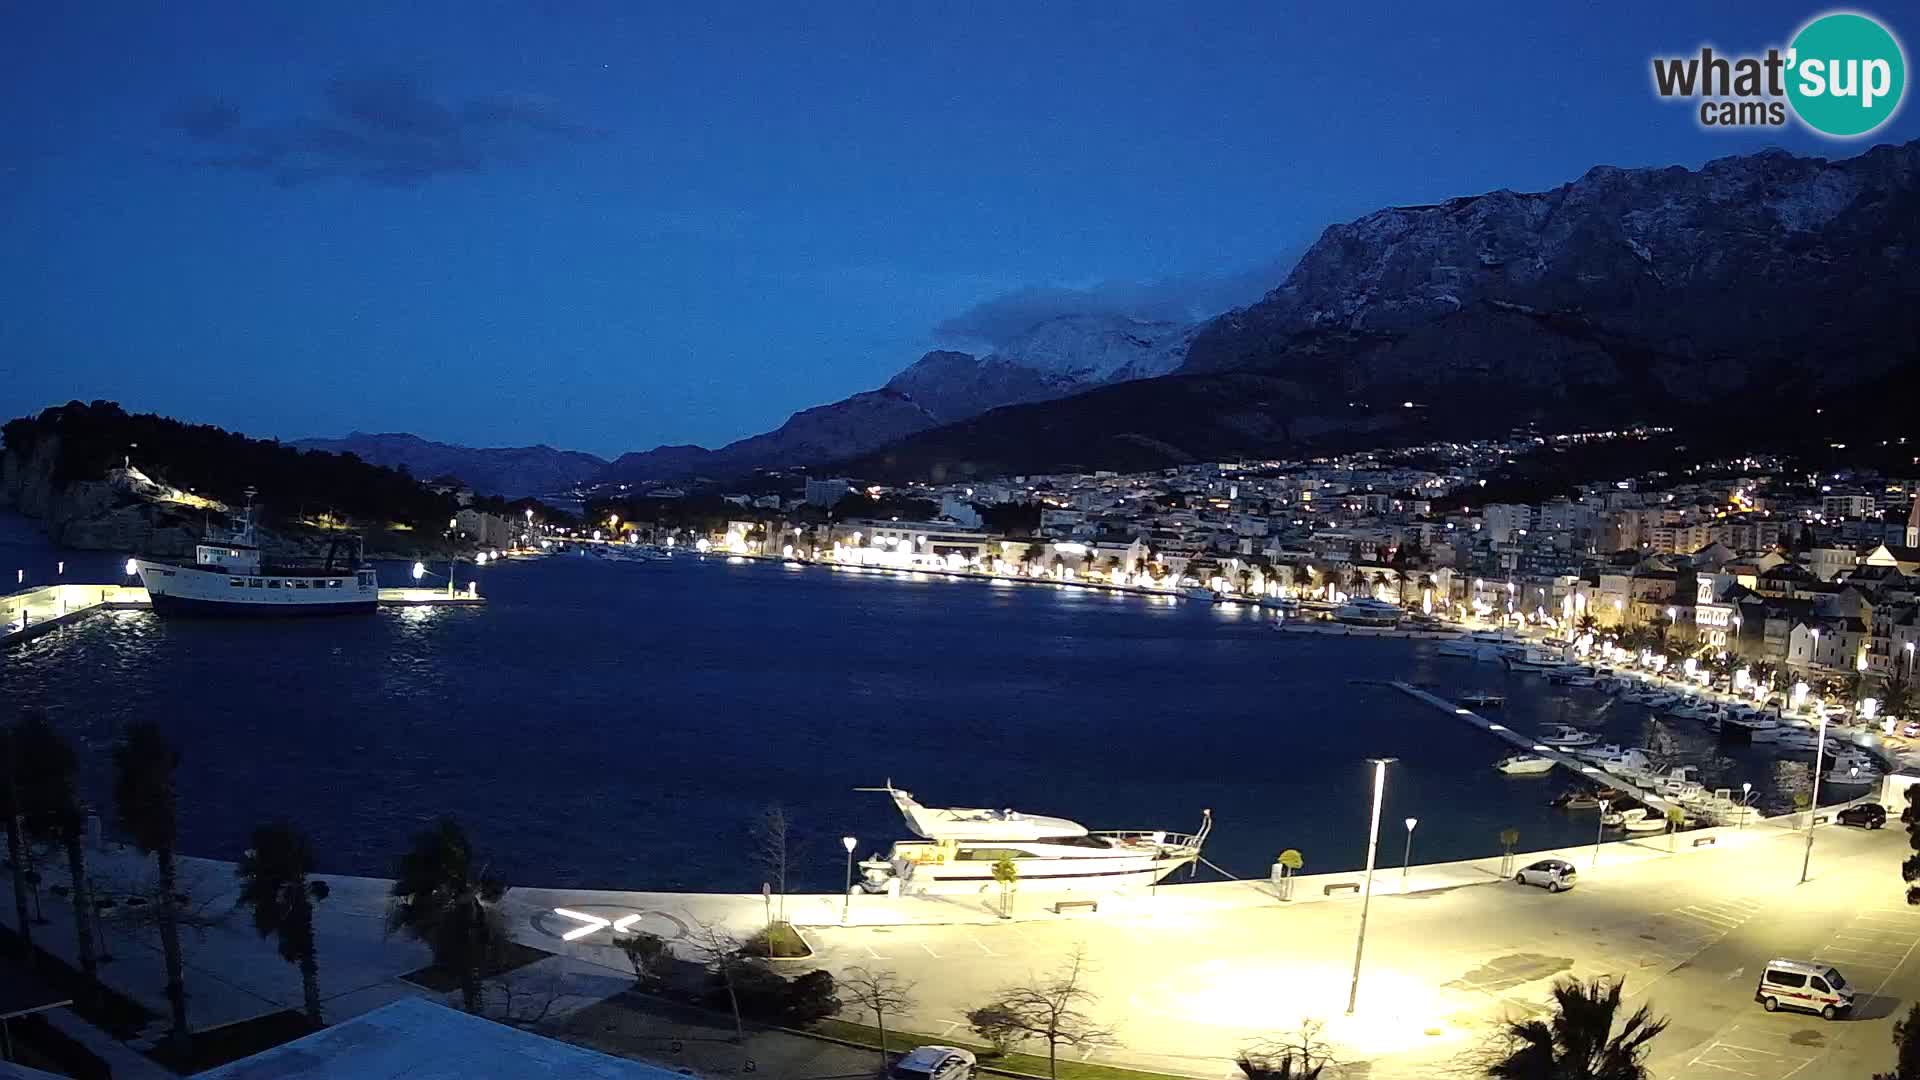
[(846, 906), (1406, 860), (1373, 848), (134, 568), (1746, 800), (419, 571)]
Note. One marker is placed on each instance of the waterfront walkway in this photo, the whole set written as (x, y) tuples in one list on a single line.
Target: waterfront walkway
[(1186, 973), (28, 613)]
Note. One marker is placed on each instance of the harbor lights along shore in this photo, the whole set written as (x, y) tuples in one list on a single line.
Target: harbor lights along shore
[(1366, 897)]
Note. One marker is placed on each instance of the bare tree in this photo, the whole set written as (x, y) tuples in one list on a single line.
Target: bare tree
[(1301, 1054), (719, 951), (880, 993), (770, 847), (648, 954), (1048, 1008)]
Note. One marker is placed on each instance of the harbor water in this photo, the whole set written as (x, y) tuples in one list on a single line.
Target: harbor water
[(621, 725)]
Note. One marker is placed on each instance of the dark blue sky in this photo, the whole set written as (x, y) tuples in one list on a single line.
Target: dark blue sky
[(607, 226)]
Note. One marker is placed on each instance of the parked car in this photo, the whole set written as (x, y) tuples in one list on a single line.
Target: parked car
[(1867, 815), (1790, 984), (934, 1063), (1912, 730), (1552, 875)]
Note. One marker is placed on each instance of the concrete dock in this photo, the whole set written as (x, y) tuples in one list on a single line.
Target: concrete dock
[(1583, 769), (28, 613)]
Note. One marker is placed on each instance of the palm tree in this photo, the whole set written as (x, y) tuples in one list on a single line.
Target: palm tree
[(442, 899), (50, 809), (16, 847), (1578, 1043), (273, 882), (143, 795), (1586, 623)]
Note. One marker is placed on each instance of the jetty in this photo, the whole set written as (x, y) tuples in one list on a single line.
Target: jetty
[(30, 612), (1585, 770)]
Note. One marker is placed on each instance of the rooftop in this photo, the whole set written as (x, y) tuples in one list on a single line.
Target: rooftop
[(420, 1040)]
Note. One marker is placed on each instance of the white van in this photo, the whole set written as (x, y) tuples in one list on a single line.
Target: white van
[(1790, 984)]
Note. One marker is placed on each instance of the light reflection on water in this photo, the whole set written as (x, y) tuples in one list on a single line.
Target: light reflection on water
[(620, 724)]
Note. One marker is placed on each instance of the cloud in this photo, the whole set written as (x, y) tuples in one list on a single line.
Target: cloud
[(385, 130), (999, 320)]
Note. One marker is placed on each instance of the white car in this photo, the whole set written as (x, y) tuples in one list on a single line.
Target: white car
[(934, 1063), (1552, 875)]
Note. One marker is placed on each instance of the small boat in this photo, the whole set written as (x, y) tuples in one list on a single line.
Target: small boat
[(1616, 758), (1459, 647), (1564, 737), (1483, 700), (1524, 765), (1748, 727), (1647, 821), (1852, 770), (1195, 592)]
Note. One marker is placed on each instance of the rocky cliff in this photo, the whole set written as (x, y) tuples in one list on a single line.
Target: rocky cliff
[(1055, 358), (1737, 294)]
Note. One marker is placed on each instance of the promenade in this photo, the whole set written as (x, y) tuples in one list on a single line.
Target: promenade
[(28, 613), (1188, 973)]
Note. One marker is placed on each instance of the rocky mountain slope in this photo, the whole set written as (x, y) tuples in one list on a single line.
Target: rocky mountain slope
[(1735, 293), (509, 471), (1055, 358)]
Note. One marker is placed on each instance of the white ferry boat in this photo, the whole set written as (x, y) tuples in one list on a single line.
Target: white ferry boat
[(959, 847), (229, 577)]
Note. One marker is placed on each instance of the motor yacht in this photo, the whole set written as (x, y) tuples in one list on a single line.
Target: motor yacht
[(1563, 737), (959, 846), (1366, 612), (1748, 727), (1525, 765), (1615, 758), (1852, 770)]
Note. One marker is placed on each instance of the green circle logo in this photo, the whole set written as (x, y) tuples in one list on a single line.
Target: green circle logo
[(1847, 74)]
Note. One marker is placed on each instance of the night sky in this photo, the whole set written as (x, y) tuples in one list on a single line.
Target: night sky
[(607, 226)]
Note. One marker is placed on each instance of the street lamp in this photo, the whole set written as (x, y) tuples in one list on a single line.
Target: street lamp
[(134, 568), (1813, 808), (1600, 829), (1373, 849), (1746, 800), (419, 571), (1406, 860), (846, 900)]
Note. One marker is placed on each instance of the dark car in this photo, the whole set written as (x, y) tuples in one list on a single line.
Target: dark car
[(1867, 815)]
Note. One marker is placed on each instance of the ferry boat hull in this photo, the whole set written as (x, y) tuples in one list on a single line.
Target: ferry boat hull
[(180, 590)]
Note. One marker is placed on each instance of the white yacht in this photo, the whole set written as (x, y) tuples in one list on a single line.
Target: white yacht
[(228, 576), (1748, 727), (1524, 765), (1365, 612), (959, 847), (1563, 737), (1615, 758)]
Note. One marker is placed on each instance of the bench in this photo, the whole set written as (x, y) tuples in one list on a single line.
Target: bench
[(1704, 841), (1350, 886), (1060, 906)]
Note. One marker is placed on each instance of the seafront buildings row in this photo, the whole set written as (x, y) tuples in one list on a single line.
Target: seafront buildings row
[(1818, 573)]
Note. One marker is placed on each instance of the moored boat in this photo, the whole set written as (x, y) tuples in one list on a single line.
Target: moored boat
[(959, 847), (229, 576), (1524, 765)]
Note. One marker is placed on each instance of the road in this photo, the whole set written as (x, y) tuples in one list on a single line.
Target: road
[(1690, 934)]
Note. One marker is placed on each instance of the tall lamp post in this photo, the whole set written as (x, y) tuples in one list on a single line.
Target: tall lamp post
[(1813, 808), (1746, 801), (1600, 829), (1373, 849), (846, 905), (1406, 859), (1909, 661)]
